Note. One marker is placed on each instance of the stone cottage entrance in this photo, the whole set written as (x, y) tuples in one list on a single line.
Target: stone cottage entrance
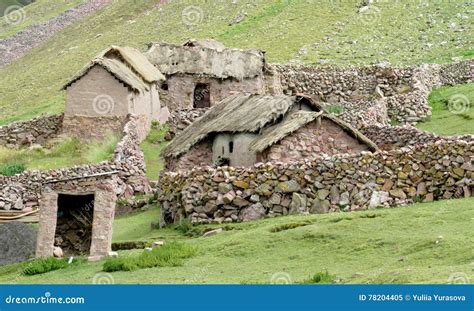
[(74, 224), (77, 214), (202, 95)]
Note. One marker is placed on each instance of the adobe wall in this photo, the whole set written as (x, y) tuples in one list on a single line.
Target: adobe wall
[(35, 131), (97, 94), (23, 191), (180, 92), (312, 140), (440, 170)]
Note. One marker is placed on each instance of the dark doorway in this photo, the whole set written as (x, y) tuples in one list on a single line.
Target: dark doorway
[(74, 224), (202, 96)]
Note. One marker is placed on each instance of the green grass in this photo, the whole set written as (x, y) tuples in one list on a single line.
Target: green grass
[(58, 153), (306, 31), (453, 110), (420, 243), (171, 254), (44, 265), (151, 148)]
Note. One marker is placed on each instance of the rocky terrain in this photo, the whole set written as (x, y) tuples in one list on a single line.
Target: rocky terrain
[(18, 45)]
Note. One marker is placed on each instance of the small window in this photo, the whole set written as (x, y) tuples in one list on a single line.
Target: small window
[(164, 86), (231, 147), (222, 150)]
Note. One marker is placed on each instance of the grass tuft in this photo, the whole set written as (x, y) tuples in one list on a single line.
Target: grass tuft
[(171, 254), (43, 265)]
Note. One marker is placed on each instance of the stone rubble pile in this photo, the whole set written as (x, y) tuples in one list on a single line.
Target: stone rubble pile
[(181, 119)]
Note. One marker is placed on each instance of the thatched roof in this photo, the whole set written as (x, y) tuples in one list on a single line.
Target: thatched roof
[(238, 113), (206, 57), (126, 64), (273, 134), (116, 68), (138, 61), (252, 114)]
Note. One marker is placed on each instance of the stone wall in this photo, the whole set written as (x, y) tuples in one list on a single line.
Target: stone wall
[(313, 139), (199, 155), (92, 128), (405, 89), (440, 170), (35, 131), (22, 191), (393, 137)]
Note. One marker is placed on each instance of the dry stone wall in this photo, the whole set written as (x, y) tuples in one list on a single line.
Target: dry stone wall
[(394, 137), (35, 131), (22, 191), (405, 90), (440, 170)]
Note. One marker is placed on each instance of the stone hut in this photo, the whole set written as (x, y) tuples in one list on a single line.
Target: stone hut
[(118, 82), (200, 73), (245, 129)]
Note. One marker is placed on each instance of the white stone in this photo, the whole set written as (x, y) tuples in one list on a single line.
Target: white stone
[(113, 254), (158, 244), (58, 252)]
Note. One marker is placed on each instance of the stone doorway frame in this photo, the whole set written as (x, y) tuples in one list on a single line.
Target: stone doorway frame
[(105, 199)]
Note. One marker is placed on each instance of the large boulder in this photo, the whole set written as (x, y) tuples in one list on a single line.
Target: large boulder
[(17, 242), (253, 212)]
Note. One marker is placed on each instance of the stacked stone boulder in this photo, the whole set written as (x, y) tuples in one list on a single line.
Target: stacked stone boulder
[(440, 170)]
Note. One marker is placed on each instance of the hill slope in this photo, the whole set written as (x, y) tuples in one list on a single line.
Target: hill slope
[(422, 243), (309, 31)]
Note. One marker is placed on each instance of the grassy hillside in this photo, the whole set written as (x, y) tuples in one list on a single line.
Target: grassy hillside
[(403, 32), (453, 111), (6, 4), (39, 11), (422, 243)]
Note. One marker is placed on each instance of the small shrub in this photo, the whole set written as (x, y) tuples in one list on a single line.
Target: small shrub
[(289, 226), (119, 264), (171, 254), (320, 278), (43, 265), (336, 109), (184, 226), (12, 169)]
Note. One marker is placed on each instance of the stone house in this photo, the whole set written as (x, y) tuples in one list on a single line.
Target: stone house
[(200, 73), (245, 129), (118, 82)]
